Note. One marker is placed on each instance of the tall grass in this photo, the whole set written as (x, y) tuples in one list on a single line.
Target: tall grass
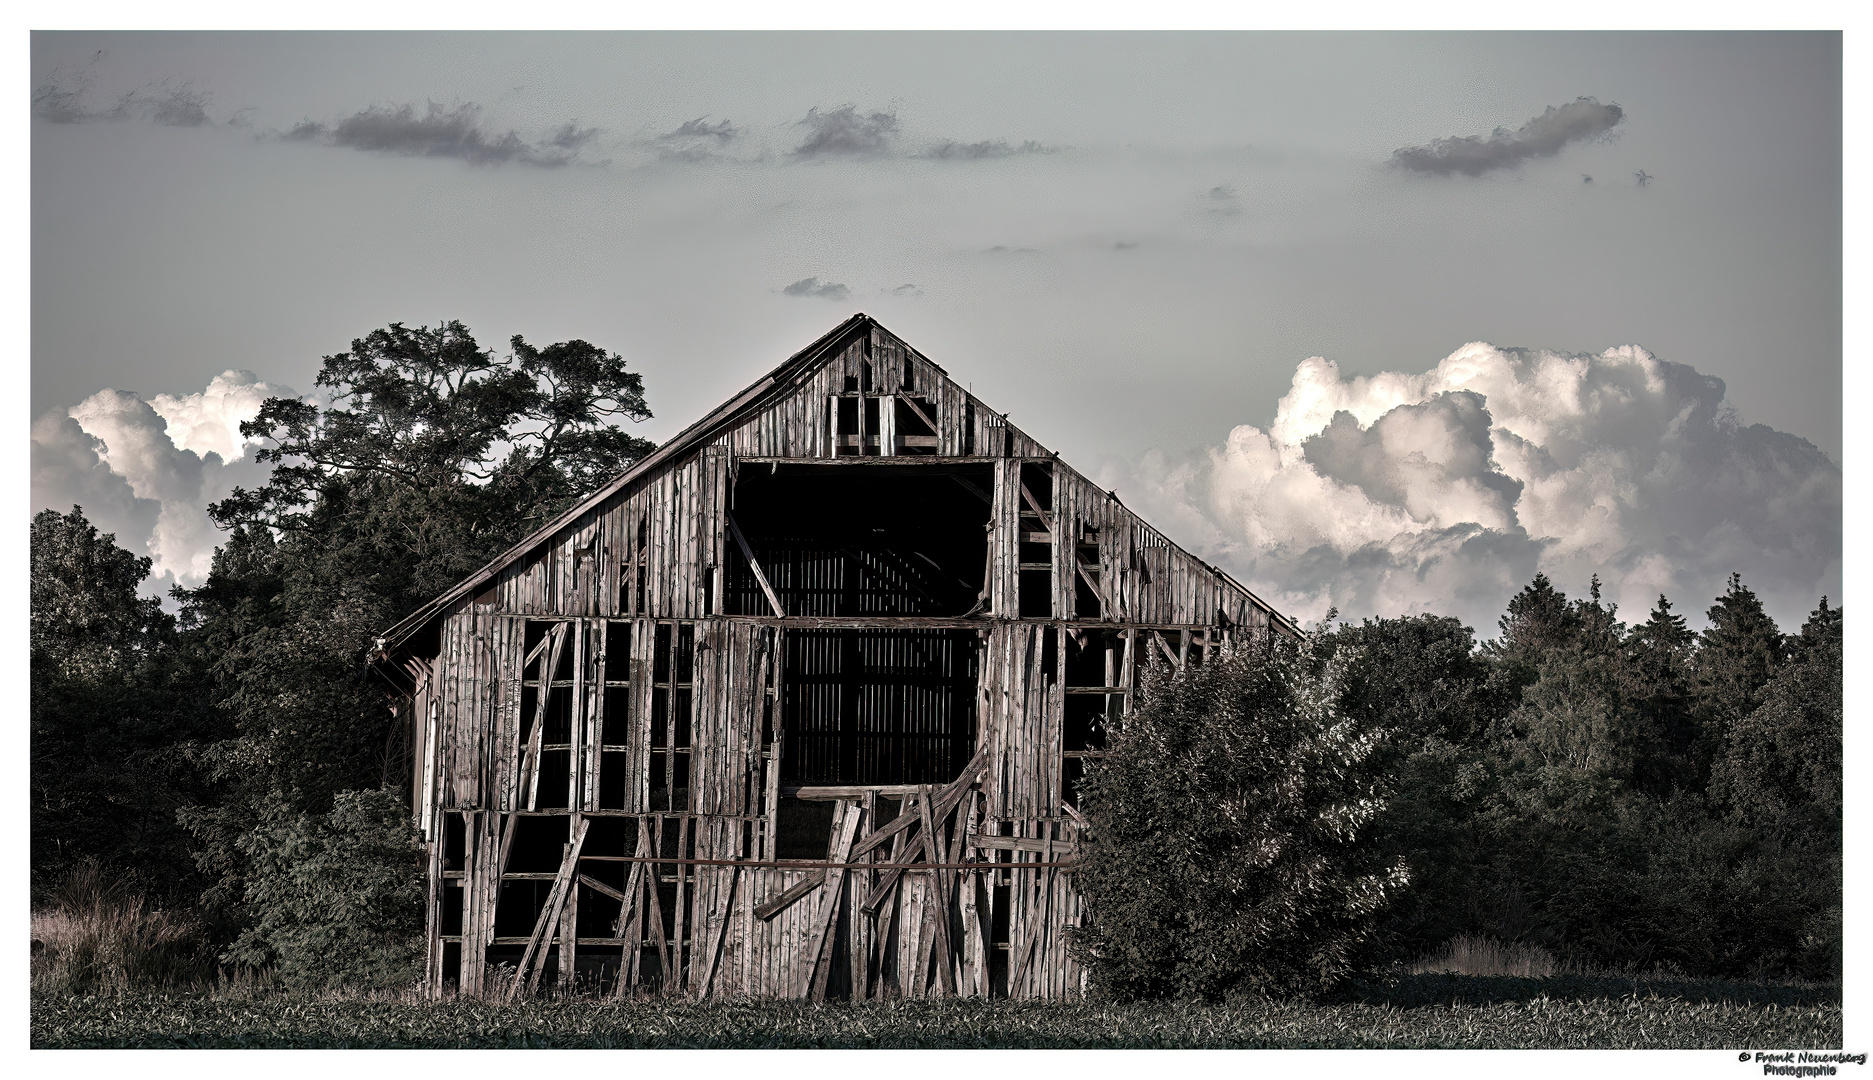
[(95, 935), (1474, 954)]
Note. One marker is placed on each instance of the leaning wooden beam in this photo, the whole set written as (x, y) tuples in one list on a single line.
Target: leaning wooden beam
[(630, 924), (937, 950), (911, 403), (598, 886), (943, 802), (754, 564), (533, 961), (1165, 646), (819, 960), (719, 922), (788, 895), (1034, 504), (972, 489), (653, 883)]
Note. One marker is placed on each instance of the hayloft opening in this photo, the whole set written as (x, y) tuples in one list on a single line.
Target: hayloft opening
[(859, 540)]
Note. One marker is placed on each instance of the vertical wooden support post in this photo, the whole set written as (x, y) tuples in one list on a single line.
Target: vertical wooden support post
[(936, 909), (862, 929), (654, 882), (432, 917), (1126, 669), (679, 964), (1005, 541), (819, 947)]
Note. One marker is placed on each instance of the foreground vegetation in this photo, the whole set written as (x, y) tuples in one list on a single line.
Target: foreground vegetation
[(1425, 1011)]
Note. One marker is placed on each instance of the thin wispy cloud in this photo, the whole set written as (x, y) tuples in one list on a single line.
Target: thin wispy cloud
[(456, 132), (812, 286), (1544, 136), (951, 150), (721, 131), (845, 132), (697, 140), (168, 103), (905, 290)]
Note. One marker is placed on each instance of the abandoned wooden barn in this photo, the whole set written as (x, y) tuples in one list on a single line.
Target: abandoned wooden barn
[(797, 705)]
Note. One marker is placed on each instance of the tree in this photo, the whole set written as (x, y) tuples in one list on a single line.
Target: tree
[(1659, 652), (1575, 716), (1227, 852), (431, 457), (88, 625), (109, 697), (1422, 680), (1785, 757), (1737, 656)]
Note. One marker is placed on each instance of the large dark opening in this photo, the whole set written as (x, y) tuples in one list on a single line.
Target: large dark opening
[(861, 540), (878, 706)]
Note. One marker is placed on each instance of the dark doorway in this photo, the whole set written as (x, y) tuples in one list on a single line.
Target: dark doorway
[(861, 540)]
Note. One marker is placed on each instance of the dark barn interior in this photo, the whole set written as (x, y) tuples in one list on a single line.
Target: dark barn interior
[(841, 541)]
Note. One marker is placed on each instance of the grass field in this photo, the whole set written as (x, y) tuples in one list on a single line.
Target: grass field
[(1420, 1011)]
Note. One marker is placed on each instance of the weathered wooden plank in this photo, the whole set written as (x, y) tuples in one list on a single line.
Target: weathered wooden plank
[(819, 946), (654, 882), (719, 919), (630, 924)]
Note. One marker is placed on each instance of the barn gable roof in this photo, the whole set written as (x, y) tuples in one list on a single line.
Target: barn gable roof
[(778, 383)]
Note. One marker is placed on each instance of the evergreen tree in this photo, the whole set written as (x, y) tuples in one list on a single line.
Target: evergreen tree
[(1737, 656), (1575, 717), (1659, 654)]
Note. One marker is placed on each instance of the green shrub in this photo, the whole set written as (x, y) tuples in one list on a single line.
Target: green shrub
[(1227, 853), (336, 899)]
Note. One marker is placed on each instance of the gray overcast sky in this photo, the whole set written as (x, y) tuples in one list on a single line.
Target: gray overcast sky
[(1128, 241)]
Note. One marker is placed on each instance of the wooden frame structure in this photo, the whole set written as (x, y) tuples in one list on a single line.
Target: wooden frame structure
[(795, 706)]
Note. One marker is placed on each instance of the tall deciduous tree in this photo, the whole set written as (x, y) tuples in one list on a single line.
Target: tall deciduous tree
[(432, 456), (108, 700)]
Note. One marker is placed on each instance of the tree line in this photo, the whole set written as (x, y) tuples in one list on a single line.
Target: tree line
[(1626, 797), (1618, 794)]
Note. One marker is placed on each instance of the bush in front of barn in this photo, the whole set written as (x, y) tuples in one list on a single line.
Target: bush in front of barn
[(1227, 854)]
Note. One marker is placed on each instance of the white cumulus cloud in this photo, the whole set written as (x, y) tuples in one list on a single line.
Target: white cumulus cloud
[(1447, 490), (147, 470), (210, 422)]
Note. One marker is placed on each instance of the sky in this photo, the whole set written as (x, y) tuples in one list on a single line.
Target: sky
[(1385, 323)]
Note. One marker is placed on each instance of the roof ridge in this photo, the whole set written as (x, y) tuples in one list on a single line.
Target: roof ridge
[(818, 351)]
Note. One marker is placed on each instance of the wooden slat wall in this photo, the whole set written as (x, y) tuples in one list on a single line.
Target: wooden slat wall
[(587, 571)]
